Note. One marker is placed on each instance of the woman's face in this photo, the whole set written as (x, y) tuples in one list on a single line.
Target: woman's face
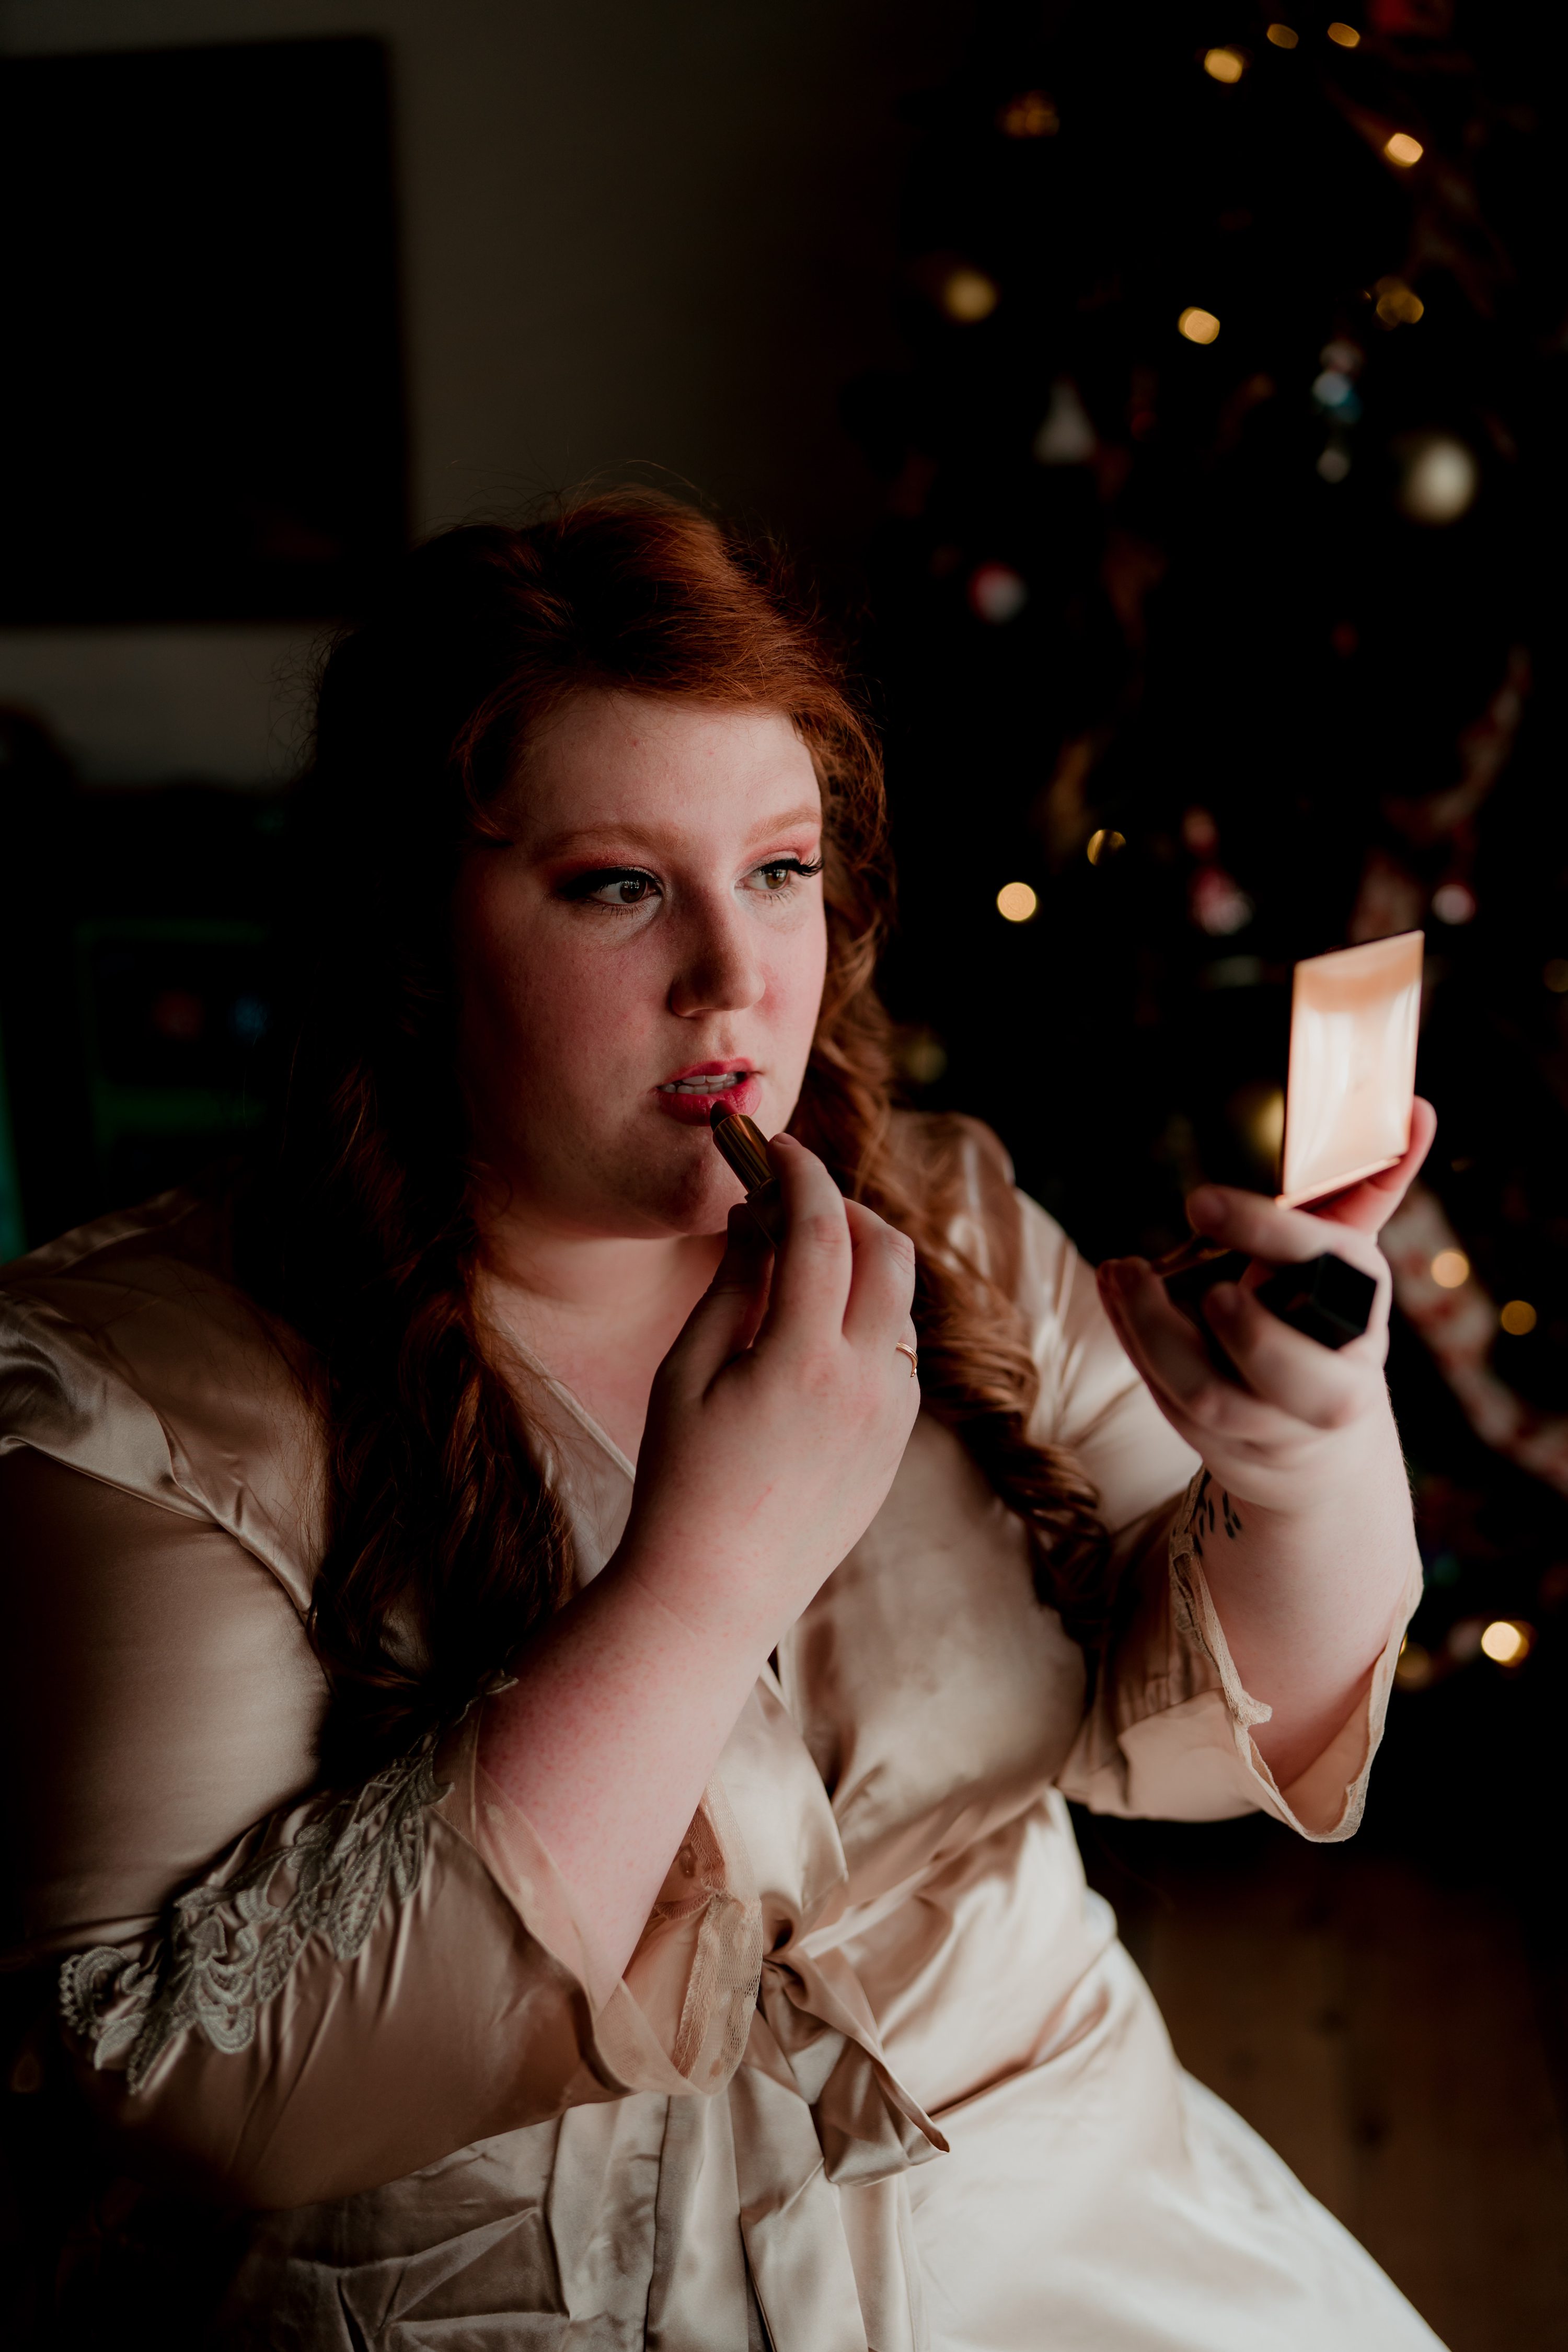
[(648, 938)]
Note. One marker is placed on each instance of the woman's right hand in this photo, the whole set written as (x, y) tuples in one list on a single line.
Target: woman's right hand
[(779, 1417)]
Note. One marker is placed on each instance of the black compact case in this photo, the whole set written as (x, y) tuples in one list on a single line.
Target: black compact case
[(1327, 1299)]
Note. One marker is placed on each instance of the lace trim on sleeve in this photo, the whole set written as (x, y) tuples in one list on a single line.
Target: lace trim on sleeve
[(230, 1946), (1192, 1604)]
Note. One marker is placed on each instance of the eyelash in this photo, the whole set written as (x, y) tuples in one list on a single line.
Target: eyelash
[(583, 887)]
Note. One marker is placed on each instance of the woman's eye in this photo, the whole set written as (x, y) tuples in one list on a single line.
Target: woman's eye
[(778, 874), (612, 887)]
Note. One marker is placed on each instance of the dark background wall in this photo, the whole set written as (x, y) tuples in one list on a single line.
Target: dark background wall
[(656, 233)]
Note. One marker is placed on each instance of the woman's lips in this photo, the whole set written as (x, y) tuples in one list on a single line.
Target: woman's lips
[(690, 1095)]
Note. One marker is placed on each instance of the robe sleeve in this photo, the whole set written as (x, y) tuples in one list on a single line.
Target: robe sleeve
[(275, 1997), (1169, 1731)]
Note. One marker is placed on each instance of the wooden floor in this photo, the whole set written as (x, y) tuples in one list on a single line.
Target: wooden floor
[(1388, 2034)]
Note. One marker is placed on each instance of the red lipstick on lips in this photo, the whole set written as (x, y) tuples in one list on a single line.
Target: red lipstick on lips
[(685, 1096)]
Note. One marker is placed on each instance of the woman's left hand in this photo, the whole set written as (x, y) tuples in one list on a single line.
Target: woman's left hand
[(1271, 1439), (1308, 1563)]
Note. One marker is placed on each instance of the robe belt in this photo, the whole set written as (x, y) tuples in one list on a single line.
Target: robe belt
[(815, 2108)]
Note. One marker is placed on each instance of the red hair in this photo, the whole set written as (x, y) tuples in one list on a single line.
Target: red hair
[(446, 1549)]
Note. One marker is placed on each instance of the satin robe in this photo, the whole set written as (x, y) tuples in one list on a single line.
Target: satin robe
[(878, 2077)]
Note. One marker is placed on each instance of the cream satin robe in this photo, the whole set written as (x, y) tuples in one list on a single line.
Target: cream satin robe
[(878, 2074)]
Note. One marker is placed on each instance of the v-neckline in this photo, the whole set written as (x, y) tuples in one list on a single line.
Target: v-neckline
[(573, 1405)]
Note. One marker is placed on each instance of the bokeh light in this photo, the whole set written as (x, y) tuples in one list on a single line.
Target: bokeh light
[(969, 296), (1067, 435), (1017, 902), (1518, 1317), (1417, 1666), (1344, 35), (179, 1014), (1334, 389), (1031, 115), (920, 1055), (1263, 1119), (1397, 304), (998, 593), (1223, 64), (1507, 1642), (1403, 150), (1555, 975), (1449, 1268), (1453, 902), (1197, 326), (1104, 844), (1219, 905), (1440, 479), (1284, 37)]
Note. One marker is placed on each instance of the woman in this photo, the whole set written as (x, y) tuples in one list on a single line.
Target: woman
[(501, 1895)]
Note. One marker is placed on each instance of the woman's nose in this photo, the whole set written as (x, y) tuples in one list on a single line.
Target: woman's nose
[(719, 970)]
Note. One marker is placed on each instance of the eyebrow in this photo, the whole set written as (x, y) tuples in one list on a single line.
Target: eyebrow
[(637, 836)]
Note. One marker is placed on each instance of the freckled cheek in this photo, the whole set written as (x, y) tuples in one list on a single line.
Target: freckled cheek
[(795, 972), (570, 1013)]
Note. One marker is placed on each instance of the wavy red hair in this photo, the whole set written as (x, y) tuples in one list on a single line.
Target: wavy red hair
[(446, 1549)]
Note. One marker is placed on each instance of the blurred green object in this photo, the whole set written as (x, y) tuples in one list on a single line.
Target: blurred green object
[(172, 1010), (137, 990)]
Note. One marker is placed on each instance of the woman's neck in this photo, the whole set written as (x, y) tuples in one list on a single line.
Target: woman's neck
[(600, 1312)]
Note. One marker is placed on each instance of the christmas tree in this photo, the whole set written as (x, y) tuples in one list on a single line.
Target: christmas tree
[(1216, 611)]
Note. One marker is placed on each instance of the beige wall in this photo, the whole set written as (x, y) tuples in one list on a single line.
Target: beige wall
[(633, 230)]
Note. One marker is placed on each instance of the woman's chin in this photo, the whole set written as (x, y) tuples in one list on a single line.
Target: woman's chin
[(691, 1193), (702, 1208)]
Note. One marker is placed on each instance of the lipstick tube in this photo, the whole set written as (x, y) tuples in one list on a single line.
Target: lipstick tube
[(745, 1149)]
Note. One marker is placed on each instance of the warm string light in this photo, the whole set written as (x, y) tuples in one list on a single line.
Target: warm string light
[(1283, 36), (1439, 481), (1396, 305), (969, 296), (1402, 148), (1104, 844), (1344, 37), (1450, 1269), (1507, 1642), (1197, 326), (1017, 903), (1518, 1317), (1032, 115), (1223, 64)]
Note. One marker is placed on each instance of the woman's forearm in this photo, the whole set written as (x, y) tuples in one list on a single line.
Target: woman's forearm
[(769, 1448), (610, 1733), (1308, 1598)]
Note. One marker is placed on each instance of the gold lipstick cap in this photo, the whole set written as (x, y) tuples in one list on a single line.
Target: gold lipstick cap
[(745, 1148)]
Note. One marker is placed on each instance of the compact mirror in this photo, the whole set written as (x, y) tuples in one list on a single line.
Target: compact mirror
[(1351, 1088)]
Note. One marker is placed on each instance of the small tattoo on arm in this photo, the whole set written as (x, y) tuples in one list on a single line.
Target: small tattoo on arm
[(1204, 1517)]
